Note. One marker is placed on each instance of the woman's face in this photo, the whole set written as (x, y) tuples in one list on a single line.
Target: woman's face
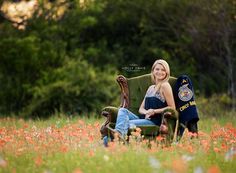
[(159, 72)]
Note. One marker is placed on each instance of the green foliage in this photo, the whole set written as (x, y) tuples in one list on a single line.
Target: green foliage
[(218, 105), (22, 62), (17, 59), (77, 87)]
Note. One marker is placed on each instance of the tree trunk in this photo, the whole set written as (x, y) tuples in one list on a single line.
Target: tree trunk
[(229, 59)]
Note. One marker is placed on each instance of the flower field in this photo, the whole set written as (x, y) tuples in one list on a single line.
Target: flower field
[(64, 145)]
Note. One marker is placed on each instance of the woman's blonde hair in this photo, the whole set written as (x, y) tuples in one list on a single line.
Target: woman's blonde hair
[(167, 69)]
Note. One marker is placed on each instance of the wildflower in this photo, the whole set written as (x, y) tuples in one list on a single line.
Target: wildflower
[(205, 144), (64, 149), (38, 161), (91, 153), (179, 166), (25, 126), (213, 169), (160, 138), (192, 135), (90, 138), (49, 130), (2, 142), (135, 134), (216, 149), (96, 124), (77, 171), (202, 134)]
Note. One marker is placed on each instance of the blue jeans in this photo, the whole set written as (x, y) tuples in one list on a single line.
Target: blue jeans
[(126, 119)]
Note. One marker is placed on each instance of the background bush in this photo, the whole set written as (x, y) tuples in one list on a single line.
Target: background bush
[(77, 87)]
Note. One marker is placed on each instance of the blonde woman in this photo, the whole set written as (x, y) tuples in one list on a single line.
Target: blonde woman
[(158, 97)]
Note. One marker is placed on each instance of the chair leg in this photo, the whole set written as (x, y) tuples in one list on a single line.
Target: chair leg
[(173, 130), (115, 132), (176, 131)]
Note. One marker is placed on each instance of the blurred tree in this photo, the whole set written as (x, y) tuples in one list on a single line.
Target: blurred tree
[(213, 31), (38, 64)]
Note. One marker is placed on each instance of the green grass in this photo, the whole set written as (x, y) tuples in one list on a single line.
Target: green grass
[(63, 145)]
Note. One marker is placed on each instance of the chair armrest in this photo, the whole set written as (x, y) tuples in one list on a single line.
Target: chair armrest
[(170, 123), (170, 113), (110, 112)]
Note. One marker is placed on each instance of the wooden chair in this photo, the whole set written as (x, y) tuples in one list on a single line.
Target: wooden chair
[(132, 93)]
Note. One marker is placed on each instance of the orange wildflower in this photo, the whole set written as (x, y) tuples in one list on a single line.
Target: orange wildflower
[(179, 166), (90, 138), (216, 149), (190, 149), (214, 169), (91, 153), (205, 144), (25, 126), (77, 171), (2, 142), (38, 161), (64, 149), (159, 138)]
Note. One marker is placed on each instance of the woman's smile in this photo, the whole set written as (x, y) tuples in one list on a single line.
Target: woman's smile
[(159, 72)]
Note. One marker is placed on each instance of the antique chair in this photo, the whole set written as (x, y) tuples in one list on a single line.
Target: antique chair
[(132, 93)]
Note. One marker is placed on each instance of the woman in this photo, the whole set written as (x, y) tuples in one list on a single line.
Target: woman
[(158, 97)]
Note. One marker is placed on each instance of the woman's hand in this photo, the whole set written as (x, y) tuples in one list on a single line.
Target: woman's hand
[(149, 113)]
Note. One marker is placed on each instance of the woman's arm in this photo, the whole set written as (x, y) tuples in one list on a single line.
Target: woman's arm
[(142, 110), (167, 93), (145, 112)]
